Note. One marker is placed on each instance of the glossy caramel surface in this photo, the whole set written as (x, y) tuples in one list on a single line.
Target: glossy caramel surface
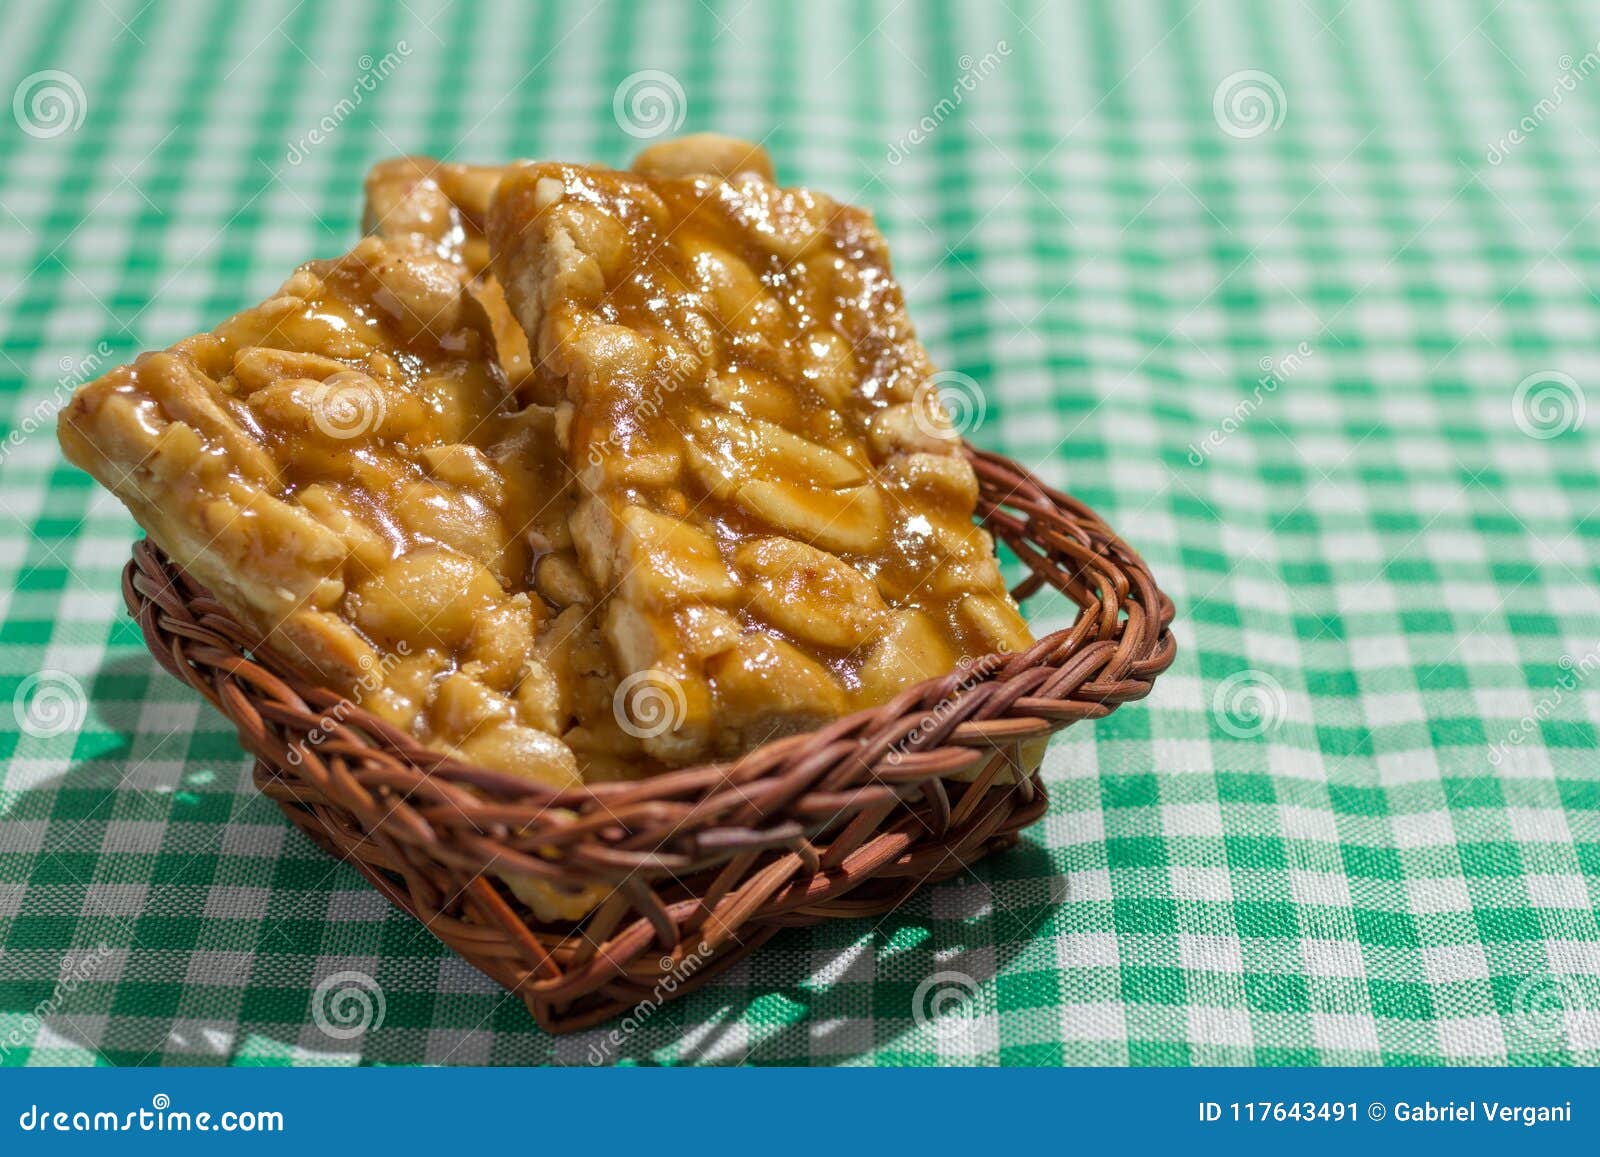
[(346, 468), (773, 503)]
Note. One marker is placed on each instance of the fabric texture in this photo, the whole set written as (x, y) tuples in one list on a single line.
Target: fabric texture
[(1301, 297)]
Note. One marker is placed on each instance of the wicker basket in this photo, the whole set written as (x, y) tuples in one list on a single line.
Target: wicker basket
[(702, 864)]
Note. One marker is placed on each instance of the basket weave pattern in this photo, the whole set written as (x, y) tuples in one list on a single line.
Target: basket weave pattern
[(703, 864)]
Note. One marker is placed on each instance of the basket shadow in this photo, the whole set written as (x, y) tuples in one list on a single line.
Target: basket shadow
[(866, 998), (116, 694), (120, 769), (135, 757), (105, 741)]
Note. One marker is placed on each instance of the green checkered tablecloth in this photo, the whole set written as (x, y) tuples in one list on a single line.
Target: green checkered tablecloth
[(1300, 295)]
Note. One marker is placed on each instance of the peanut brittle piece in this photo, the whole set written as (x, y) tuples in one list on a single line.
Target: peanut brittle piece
[(772, 501), (447, 206), (344, 467)]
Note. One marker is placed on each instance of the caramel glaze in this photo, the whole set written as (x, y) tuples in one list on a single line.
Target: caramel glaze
[(747, 397)]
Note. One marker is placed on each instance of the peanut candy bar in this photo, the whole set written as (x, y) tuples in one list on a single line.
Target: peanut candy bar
[(345, 469), (772, 502), (447, 206)]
